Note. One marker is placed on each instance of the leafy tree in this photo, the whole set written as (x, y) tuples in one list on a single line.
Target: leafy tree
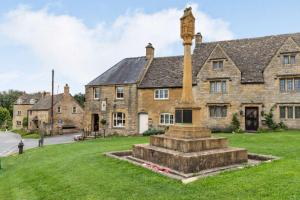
[(5, 119), (80, 98), (25, 122), (8, 98)]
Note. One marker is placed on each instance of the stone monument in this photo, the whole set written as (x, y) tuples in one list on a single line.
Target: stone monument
[(188, 146)]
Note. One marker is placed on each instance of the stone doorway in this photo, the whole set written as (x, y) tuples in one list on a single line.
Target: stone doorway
[(95, 122), (251, 118)]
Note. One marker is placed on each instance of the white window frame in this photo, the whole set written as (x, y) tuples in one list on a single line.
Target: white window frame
[(74, 109), (94, 93), (161, 94), (116, 121), (162, 119), (119, 87)]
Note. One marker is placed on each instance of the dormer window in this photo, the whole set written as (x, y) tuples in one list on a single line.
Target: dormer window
[(20, 101), (218, 64), (289, 59), (32, 101)]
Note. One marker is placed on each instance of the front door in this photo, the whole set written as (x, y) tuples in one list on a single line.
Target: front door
[(251, 118), (95, 122), (143, 122)]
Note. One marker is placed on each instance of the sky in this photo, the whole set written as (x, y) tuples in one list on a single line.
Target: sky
[(82, 39)]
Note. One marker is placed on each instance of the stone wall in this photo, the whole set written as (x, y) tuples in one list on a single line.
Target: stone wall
[(128, 106), (23, 108)]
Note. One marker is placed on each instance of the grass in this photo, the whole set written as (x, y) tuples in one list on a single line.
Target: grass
[(80, 171), (25, 134)]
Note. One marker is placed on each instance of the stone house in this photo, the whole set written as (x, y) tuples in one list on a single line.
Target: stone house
[(67, 114), (244, 76), (21, 106)]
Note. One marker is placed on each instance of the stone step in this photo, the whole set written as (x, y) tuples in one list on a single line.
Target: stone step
[(188, 145), (190, 162)]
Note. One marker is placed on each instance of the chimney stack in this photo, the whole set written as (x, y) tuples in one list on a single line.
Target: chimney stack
[(66, 90), (149, 51), (198, 38)]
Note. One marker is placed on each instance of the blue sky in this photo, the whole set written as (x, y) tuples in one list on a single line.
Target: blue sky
[(81, 39)]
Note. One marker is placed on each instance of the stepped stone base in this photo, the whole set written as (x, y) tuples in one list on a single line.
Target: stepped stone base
[(188, 145), (190, 162)]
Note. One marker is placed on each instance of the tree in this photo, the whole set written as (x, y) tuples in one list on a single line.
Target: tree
[(8, 98), (80, 98), (235, 123), (25, 122), (5, 118)]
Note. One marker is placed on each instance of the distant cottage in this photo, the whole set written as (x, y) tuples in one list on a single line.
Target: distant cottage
[(245, 76), (67, 113)]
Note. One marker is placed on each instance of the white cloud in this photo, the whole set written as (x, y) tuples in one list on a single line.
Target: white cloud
[(80, 53)]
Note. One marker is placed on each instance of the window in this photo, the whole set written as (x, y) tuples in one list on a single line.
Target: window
[(19, 123), (290, 112), (74, 109), (218, 111), (289, 59), (96, 93), (166, 119), (282, 112), (32, 101), (59, 109), (119, 119), (161, 94), (19, 113), (218, 87), (289, 84), (184, 116), (297, 112), (119, 92), (218, 64), (282, 85)]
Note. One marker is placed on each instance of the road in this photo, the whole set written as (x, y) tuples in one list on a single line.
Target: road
[(9, 142)]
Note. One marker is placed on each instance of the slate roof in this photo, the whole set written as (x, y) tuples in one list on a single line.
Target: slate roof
[(251, 56), (27, 97), (45, 103), (126, 71)]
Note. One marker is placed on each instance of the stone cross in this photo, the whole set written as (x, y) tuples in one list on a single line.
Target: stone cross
[(187, 32)]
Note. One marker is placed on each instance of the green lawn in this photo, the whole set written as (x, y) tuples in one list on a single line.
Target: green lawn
[(80, 171)]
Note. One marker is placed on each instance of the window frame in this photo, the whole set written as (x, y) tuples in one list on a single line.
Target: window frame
[(289, 59), (217, 87), (217, 64), (117, 92), (58, 109), (218, 111), (163, 122), (161, 94), (115, 120), (94, 93), (19, 113), (75, 109)]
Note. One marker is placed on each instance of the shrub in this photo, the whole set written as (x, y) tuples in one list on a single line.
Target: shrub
[(25, 122), (235, 124), (271, 123), (153, 131)]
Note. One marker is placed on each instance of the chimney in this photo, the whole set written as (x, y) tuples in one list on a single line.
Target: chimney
[(66, 90), (149, 51), (198, 38)]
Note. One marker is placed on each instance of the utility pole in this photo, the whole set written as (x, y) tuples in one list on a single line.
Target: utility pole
[(52, 102)]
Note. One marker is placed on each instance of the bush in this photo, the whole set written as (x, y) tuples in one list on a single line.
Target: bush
[(27, 134), (153, 131), (235, 123), (5, 119), (271, 123), (25, 122)]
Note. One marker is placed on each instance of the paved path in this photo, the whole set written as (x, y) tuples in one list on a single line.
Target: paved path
[(9, 142)]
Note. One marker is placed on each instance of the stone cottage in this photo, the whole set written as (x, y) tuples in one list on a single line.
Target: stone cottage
[(244, 76), (67, 114), (21, 106)]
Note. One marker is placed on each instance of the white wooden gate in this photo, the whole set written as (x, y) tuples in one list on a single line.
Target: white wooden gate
[(143, 122)]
